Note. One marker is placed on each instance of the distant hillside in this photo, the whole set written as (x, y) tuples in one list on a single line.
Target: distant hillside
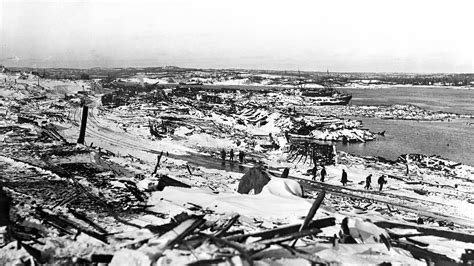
[(338, 78)]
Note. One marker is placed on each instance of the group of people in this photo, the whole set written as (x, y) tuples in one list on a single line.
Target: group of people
[(368, 180), (323, 173), (344, 180), (231, 155), (381, 181)]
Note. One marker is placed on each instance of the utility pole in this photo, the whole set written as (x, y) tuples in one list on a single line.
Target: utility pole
[(82, 133)]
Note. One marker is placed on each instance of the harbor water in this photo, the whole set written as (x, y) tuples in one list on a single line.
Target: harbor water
[(452, 140)]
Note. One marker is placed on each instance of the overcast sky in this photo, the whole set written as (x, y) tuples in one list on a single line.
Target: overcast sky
[(349, 35)]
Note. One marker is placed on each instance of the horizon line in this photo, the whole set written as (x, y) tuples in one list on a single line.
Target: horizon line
[(247, 69)]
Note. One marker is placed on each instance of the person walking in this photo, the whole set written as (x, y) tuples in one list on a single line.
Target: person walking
[(344, 177), (381, 182), (223, 156), (241, 156), (231, 155), (368, 180), (315, 172), (323, 174)]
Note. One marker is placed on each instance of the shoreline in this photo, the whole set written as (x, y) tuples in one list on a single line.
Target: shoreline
[(411, 136)]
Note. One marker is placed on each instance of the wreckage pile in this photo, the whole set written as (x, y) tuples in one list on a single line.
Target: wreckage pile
[(398, 111), (130, 197), (180, 224)]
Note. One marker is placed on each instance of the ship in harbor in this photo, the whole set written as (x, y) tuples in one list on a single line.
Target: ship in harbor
[(327, 98), (323, 92)]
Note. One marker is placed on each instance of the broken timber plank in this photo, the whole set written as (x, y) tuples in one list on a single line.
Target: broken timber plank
[(245, 254), (178, 233), (135, 191), (228, 225), (84, 218), (161, 229), (285, 173), (468, 238), (289, 237), (168, 181), (317, 202), (65, 222), (196, 222), (189, 169), (35, 253), (56, 222), (421, 253), (285, 230), (416, 242), (158, 159)]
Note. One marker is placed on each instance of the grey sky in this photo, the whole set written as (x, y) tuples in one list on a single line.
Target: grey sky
[(357, 35)]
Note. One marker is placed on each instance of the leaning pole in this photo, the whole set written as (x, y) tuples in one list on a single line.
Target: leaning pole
[(82, 132)]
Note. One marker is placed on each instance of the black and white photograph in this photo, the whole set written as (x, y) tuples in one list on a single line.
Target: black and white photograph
[(249, 132)]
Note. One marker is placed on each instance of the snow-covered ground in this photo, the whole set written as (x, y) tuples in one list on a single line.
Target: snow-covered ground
[(445, 201)]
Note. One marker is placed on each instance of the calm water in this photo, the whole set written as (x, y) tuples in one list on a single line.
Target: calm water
[(459, 101), (453, 140)]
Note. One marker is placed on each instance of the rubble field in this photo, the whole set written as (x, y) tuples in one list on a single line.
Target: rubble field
[(175, 174)]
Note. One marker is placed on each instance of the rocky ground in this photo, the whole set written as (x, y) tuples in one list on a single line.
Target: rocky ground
[(148, 185)]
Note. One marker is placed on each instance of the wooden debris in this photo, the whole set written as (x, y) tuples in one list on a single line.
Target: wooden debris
[(168, 181), (285, 173), (227, 225), (161, 229), (416, 242), (289, 237), (285, 230), (421, 253), (189, 169), (244, 253), (66, 225), (101, 258), (158, 159), (84, 218), (317, 202), (35, 253), (132, 187), (177, 234), (468, 238)]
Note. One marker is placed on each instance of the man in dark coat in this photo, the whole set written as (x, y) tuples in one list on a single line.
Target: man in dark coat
[(223, 155), (368, 180), (231, 154), (323, 174), (315, 172), (381, 182), (344, 177), (241, 156)]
